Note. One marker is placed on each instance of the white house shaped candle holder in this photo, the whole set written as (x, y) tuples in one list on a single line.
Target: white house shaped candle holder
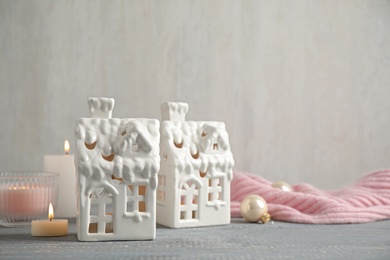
[(117, 161), (195, 171)]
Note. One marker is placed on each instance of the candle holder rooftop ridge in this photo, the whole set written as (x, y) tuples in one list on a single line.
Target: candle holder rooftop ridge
[(195, 171), (117, 160)]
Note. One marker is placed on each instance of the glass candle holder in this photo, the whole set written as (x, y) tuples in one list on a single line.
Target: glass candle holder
[(25, 196)]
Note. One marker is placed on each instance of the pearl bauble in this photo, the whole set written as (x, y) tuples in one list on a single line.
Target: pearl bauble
[(253, 207), (282, 186)]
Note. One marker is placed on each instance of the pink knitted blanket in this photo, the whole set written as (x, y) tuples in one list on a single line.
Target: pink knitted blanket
[(366, 200)]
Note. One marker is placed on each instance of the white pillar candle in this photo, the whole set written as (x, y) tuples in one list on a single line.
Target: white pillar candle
[(50, 227), (64, 165)]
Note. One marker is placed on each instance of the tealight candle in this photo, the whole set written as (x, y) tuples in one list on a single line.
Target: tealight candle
[(64, 165), (50, 227)]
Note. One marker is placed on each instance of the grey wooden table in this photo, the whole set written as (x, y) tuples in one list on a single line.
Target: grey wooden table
[(239, 240)]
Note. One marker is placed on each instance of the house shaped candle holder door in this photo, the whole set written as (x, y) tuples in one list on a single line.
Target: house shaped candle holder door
[(117, 161), (195, 171)]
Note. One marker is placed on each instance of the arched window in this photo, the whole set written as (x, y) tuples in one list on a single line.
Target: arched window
[(100, 214)]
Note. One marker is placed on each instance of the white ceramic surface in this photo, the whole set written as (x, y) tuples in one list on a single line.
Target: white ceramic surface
[(195, 171), (117, 161)]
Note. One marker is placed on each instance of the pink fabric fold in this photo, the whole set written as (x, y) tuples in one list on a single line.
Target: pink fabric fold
[(366, 200)]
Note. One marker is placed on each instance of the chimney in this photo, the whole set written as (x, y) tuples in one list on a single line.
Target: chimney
[(101, 107), (174, 111)]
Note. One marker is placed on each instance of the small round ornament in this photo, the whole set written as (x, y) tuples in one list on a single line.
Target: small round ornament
[(282, 186), (253, 208)]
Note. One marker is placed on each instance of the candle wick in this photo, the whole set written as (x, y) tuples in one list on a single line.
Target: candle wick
[(66, 153), (51, 219)]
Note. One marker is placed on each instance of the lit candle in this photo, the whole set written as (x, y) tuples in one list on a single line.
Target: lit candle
[(64, 165), (50, 227)]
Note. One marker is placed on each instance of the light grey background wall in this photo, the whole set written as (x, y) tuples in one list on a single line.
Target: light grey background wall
[(303, 86)]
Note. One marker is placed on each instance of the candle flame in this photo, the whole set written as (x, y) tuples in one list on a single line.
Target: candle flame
[(51, 212), (66, 147)]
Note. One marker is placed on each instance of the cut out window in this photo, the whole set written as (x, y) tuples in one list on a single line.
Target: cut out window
[(134, 147), (161, 189), (136, 198), (178, 145), (116, 180), (202, 174), (215, 188), (109, 227), (92, 228), (101, 206), (189, 194), (90, 146), (94, 208), (196, 155), (109, 157), (215, 147)]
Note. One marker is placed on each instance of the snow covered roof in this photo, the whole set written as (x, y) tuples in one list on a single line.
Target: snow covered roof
[(125, 148), (192, 145)]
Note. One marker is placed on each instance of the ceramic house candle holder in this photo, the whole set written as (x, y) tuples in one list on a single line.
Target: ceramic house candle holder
[(116, 161), (195, 171)]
